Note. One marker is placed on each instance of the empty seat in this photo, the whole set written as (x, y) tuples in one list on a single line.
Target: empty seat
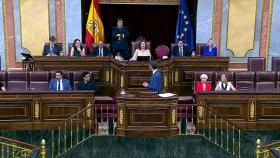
[(275, 65), (265, 76), (265, 81), (256, 64), (265, 86), (17, 81), (244, 81), (39, 80)]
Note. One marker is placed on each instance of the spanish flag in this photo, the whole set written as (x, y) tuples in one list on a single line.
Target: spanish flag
[(94, 27)]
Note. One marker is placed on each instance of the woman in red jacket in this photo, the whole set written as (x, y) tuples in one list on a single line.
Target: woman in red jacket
[(203, 85)]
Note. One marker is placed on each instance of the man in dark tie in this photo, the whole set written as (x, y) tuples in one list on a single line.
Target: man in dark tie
[(52, 48), (156, 79), (59, 83), (180, 50), (120, 36), (100, 50)]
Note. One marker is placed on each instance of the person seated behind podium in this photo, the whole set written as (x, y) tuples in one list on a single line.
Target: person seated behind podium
[(141, 51), (52, 48), (59, 83), (77, 49), (224, 85), (100, 50), (210, 49), (2, 87), (180, 50), (156, 79), (203, 85), (86, 83)]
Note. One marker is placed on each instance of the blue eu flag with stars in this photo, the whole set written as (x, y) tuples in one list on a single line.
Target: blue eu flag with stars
[(184, 29)]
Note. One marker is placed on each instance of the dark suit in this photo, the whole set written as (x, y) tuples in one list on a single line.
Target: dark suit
[(65, 83), (120, 43), (95, 51), (175, 51), (56, 49), (155, 82)]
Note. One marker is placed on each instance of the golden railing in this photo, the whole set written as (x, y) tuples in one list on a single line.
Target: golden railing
[(72, 131), (218, 130), (82, 125), (16, 149), (264, 151)]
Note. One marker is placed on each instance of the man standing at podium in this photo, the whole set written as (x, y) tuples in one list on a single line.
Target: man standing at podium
[(120, 37), (156, 78)]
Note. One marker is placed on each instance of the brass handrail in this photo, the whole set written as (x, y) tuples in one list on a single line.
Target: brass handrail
[(218, 130), (63, 143), (27, 145), (264, 150), (230, 122)]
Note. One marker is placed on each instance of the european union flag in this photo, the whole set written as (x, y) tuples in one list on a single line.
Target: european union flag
[(184, 29)]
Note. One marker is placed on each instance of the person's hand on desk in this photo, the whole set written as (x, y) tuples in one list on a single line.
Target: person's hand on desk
[(145, 84)]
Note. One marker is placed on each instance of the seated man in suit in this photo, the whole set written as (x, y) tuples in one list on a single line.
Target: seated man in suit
[(86, 83), (180, 50), (52, 48), (59, 83), (100, 50), (156, 79)]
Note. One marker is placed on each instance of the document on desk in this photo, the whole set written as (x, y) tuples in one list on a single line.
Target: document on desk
[(166, 95)]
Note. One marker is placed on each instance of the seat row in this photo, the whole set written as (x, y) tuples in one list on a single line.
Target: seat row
[(37, 80), (263, 81)]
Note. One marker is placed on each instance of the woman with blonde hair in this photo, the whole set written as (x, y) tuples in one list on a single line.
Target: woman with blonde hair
[(210, 49)]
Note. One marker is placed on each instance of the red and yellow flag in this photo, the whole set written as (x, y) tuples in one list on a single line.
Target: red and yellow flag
[(94, 26)]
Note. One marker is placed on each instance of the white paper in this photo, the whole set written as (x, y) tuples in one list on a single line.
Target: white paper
[(166, 95)]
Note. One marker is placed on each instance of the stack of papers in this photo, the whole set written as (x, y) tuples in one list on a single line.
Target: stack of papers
[(166, 95)]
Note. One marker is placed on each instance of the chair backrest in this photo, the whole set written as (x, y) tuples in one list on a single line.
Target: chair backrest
[(229, 74), (265, 76), (135, 45), (17, 81), (162, 50), (66, 74), (39, 80), (275, 65), (70, 45), (244, 85), (104, 45), (256, 64), (265, 86), (199, 48), (244, 81)]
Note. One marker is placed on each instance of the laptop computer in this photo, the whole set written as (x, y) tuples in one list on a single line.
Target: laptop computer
[(143, 58)]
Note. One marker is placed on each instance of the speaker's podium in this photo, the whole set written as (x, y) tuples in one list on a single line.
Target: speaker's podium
[(147, 114)]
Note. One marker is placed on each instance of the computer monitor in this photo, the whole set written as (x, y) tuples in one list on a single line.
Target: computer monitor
[(143, 58)]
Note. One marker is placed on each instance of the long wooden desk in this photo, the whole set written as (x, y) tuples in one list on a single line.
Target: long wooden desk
[(37, 110), (130, 75), (246, 109)]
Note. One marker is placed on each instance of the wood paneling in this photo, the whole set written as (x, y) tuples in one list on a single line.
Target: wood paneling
[(35, 110), (245, 109)]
